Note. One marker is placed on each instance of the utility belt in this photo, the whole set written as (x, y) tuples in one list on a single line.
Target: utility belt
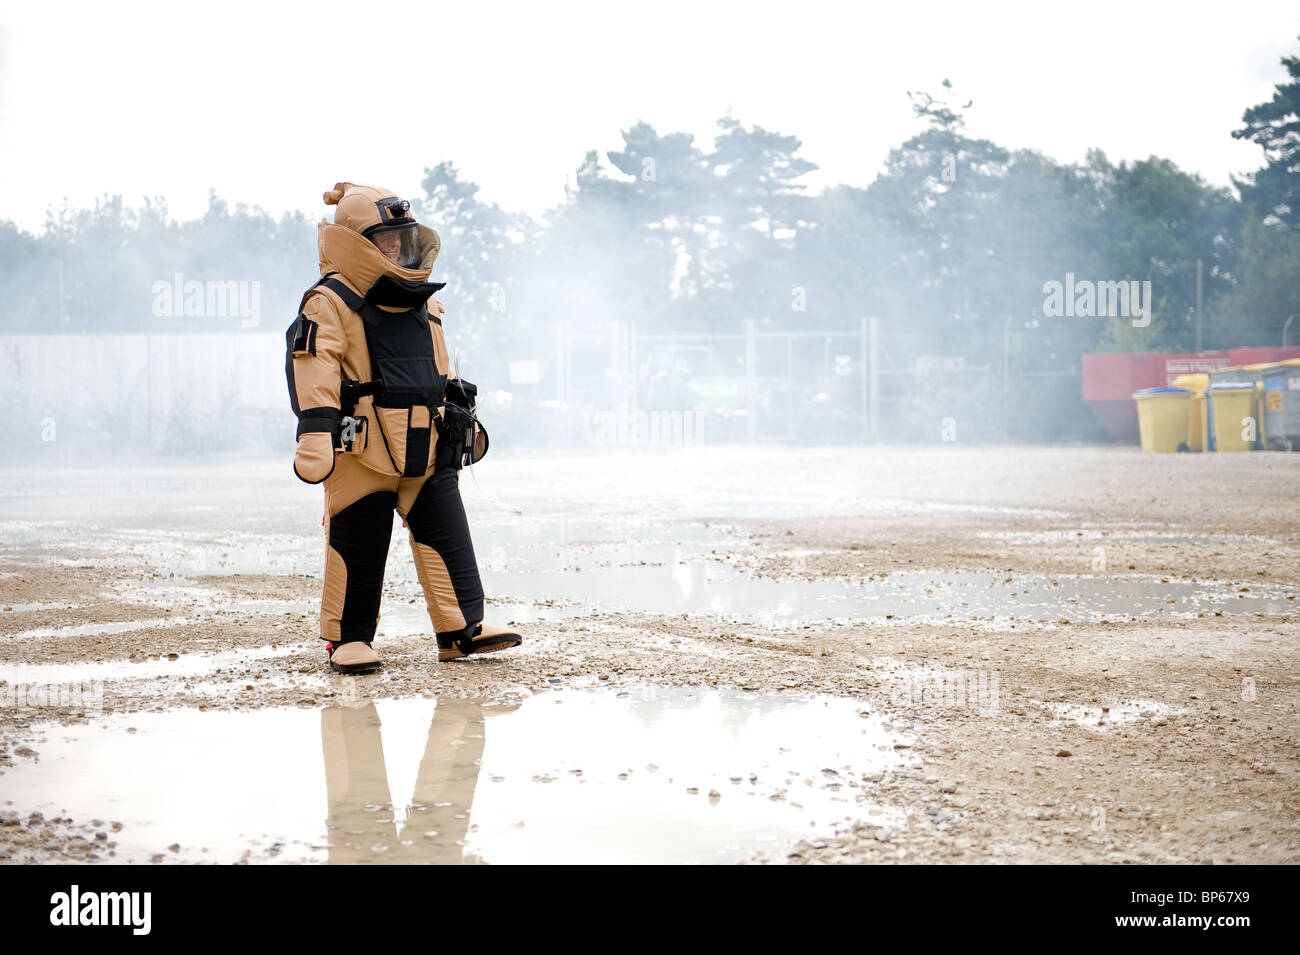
[(404, 376), (462, 439)]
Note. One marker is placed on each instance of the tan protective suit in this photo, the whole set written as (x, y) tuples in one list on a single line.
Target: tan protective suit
[(368, 345)]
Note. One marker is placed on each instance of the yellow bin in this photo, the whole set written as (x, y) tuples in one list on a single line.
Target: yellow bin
[(1234, 423), (1163, 418), (1197, 382), (1197, 436)]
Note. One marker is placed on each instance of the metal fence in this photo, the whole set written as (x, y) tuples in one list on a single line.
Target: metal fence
[(604, 385)]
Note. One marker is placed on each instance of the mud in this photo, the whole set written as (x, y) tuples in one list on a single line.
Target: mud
[(1077, 655)]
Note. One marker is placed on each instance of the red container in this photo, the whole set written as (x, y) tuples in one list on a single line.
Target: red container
[(1259, 356)]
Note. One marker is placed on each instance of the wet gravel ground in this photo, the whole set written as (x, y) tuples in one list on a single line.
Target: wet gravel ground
[(1163, 737)]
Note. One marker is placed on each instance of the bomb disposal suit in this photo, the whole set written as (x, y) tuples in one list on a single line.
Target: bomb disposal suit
[(384, 423)]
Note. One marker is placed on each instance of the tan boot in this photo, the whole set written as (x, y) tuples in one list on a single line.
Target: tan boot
[(476, 638), (352, 657)]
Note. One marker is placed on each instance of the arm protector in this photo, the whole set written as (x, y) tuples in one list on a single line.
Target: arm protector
[(315, 343)]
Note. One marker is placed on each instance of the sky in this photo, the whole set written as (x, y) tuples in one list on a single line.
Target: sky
[(271, 104)]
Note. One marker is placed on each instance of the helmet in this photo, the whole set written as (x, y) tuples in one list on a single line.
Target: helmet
[(381, 217)]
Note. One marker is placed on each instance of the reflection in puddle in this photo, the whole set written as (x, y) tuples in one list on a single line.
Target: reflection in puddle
[(651, 775), (364, 823), (673, 775)]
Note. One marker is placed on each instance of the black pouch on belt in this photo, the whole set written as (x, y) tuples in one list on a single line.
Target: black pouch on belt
[(462, 439)]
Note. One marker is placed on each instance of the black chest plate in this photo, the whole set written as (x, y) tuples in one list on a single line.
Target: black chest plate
[(401, 351), (401, 356)]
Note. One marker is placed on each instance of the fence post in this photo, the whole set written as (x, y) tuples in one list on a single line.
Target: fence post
[(789, 387), (862, 376), (1006, 378), (751, 381), (873, 348), (562, 361)]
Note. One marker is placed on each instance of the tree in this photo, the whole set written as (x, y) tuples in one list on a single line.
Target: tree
[(1274, 191), (668, 197), (941, 192), (482, 248), (1266, 292), (757, 205), (1158, 221), (29, 268)]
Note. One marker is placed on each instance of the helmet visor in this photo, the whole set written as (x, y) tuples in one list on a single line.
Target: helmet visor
[(400, 243)]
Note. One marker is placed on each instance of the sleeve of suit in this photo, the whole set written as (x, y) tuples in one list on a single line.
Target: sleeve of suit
[(315, 376)]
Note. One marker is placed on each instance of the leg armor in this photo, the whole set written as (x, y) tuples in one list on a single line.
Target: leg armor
[(444, 554), (359, 506)]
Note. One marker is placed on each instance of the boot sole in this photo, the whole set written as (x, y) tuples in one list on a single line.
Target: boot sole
[(453, 653), (356, 667)]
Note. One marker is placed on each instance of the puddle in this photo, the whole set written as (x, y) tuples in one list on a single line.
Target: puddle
[(572, 776), (400, 615), (552, 568), (549, 531), (669, 578), (97, 629), (30, 607), (786, 504), (190, 552), (710, 587), (1111, 535), (186, 664)]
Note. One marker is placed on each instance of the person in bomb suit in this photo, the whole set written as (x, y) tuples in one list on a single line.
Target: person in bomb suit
[(384, 424)]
